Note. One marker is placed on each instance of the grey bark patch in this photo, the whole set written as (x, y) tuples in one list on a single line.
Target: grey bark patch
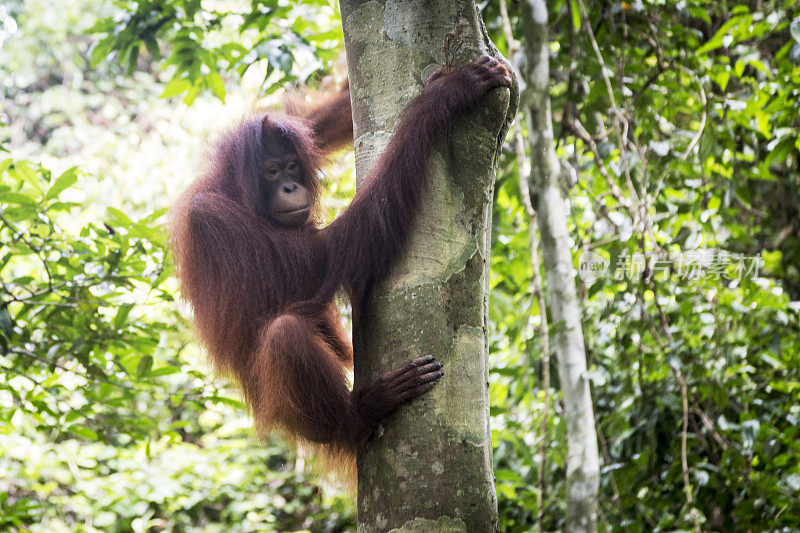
[(443, 524), (416, 24)]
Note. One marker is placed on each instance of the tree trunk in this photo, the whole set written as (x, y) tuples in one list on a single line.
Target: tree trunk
[(428, 467), (583, 471)]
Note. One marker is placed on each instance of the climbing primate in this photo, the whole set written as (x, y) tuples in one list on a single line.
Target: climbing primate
[(261, 274)]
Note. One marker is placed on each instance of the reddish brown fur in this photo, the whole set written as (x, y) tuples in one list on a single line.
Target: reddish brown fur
[(329, 115), (263, 294)]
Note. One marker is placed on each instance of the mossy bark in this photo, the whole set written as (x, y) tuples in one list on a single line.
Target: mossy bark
[(428, 467)]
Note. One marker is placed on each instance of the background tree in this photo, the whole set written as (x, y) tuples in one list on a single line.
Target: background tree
[(547, 182)]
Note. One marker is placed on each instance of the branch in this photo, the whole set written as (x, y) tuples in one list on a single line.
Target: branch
[(580, 132), (703, 100), (620, 124)]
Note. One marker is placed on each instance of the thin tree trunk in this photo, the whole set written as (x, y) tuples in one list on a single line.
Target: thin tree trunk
[(428, 468), (583, 470)]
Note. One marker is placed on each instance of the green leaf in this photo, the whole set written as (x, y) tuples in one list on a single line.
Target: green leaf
[(726, 29), (152, 46), (191, 94), (576, 14), (155, 215), (165, 371), (133, 58), (26, 173), (217, 86), (227, 401), (84, 432), (722, 78), (101, 50), (144, 366), (64, 181), (175, 87), (122, 315), (496, 410), (18, 198), (507, 475), (119, 218), (5, 164)]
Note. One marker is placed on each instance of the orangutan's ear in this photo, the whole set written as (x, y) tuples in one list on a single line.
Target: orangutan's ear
[(270, 127), (267, 126)]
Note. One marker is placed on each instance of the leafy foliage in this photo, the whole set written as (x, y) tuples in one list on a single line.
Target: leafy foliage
[(78, 339), (91, 356), (219, 483), (707, 198), (108, 419), (199, 42)]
